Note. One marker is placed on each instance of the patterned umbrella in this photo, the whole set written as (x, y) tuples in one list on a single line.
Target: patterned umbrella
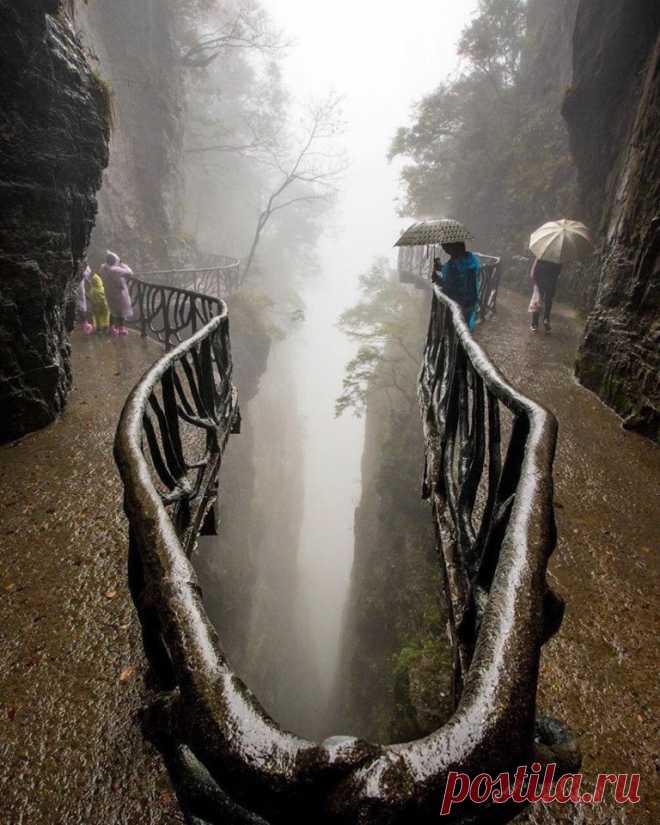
[(427, 233), (561, 242)]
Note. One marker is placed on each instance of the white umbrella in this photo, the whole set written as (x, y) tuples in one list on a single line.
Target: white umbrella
[(561, 242)]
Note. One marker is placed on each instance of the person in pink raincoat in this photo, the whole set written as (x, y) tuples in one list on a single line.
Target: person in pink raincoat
[(113, 274)]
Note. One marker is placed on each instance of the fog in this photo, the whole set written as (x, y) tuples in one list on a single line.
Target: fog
[(380, 59)]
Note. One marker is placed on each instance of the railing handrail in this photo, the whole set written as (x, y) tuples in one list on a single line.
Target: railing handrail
[(495, 260), (187, 270), (247, 762)]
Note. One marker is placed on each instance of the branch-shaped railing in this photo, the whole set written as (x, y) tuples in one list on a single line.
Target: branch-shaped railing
[(169, 315), (220, 280), (495, 525), (415, 266), (493, 508), (490, 284)]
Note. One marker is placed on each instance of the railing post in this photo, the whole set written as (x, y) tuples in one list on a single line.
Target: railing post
[(143, 313)]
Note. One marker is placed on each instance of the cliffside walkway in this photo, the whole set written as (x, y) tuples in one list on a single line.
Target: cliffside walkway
[(71, 661), (599, 673)]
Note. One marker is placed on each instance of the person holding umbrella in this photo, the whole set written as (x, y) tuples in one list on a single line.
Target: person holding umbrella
[(459, 278), (554, 244), (544, 276)]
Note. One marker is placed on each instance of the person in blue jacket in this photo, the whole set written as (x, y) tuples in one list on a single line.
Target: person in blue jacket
[(460, 279)]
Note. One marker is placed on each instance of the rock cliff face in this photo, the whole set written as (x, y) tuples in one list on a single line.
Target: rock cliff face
[(544, 185), (394, 668), (53, 148), (394, 675), (613, 113), (141, 200)]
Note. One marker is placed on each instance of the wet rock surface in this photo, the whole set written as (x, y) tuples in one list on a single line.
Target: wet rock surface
[(599, 673), (140, 202), (53, 147), (612, 112), (71, 665)]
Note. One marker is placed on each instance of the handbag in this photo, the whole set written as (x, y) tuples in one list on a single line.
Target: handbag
[(535, 303)]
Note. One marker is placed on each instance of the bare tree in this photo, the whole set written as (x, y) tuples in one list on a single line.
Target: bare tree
[(245, 26), (255, 136), (308, 174)]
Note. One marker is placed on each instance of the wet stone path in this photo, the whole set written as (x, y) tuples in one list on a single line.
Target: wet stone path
[(600, 673), (71, 667)]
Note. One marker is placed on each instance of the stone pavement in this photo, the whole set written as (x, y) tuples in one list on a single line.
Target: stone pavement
[(599, 674), (71, 667)]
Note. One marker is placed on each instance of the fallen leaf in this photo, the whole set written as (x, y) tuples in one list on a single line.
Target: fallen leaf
[(126, 673), (11, 713)]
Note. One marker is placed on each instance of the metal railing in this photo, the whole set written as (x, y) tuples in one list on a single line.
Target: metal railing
[(167, 314), (220, 280), (230, 761), (490, 511), (490, 284), (490, 279)]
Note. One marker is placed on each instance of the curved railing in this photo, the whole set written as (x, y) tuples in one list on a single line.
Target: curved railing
[(221, 279), (490, 284), (169, 315), (230, 761), (411, 271)]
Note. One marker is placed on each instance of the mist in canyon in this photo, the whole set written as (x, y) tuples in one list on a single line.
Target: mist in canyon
[(307, 462)]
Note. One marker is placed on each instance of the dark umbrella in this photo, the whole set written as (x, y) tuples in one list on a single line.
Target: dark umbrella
[(429, 233)]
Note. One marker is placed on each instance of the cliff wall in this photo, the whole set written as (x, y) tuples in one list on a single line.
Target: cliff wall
[(53, 148), (613, 112), (393, 681), (140, 203), (542, 185)]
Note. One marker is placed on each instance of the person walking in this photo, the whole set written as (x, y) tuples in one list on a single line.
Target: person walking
[(460, 279), (544, 275), (113, 274), (554, 244)]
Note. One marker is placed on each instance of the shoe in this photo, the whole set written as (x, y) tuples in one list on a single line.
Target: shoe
[(547, 327), (87, 328), (533, 329), (123, 330), (114, 331)]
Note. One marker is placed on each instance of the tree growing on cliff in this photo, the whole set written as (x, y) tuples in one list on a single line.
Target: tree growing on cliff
[(216, 29), (386, 322), (306, 174)]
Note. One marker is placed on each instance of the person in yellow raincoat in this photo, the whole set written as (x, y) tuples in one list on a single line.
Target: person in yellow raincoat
[(97, 303)]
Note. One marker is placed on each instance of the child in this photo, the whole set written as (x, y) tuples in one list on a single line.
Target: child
[(98, 304)]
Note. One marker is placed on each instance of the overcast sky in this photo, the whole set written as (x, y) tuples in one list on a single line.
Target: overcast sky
[(381, 56)]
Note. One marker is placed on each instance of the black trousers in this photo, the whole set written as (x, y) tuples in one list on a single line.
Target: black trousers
[(547, 288)]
